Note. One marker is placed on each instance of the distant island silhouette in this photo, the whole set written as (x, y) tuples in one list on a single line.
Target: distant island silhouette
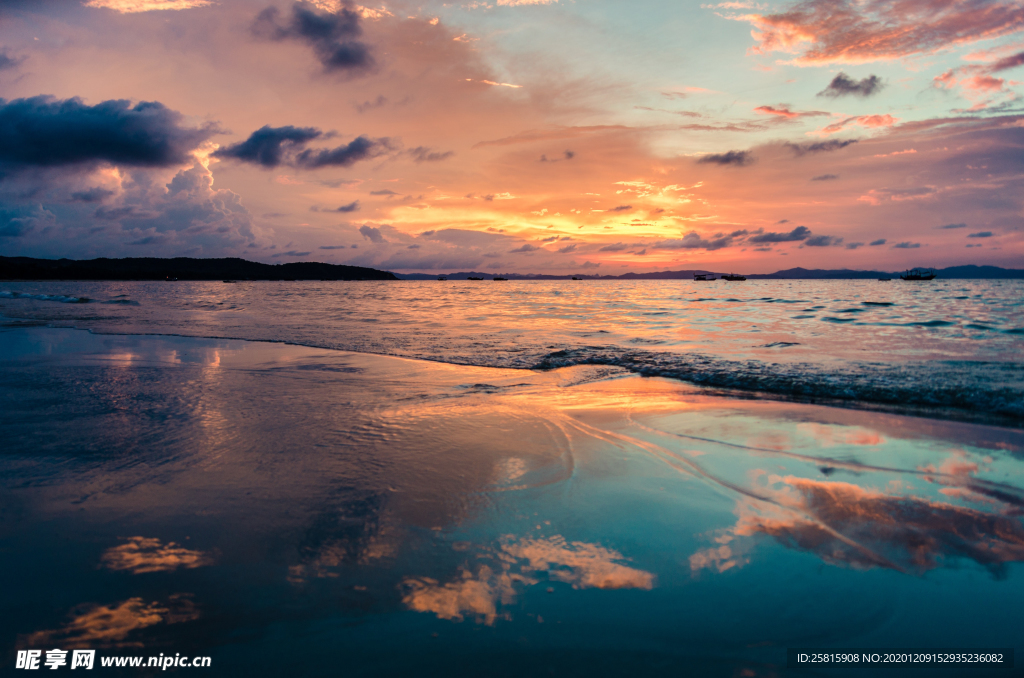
[(187, 268), (179, 268)]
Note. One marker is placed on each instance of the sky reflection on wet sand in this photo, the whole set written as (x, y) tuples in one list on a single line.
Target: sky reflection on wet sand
[(257, 501)]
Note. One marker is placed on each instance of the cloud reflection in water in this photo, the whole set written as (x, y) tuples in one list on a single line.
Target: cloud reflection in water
[(141, 555), (580, 564)]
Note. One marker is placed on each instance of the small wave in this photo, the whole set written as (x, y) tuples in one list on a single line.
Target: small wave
[(64, 299), (780, 344), (975, 388), (877, 303), (931, 323), (123, 302)]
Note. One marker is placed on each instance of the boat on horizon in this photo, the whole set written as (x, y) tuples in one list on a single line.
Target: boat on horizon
[(472, 278), (703, 277), (499, 278), (575, 278), (918, 274), (733, 276), (442, 277)]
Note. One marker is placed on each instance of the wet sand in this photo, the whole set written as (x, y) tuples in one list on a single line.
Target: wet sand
[(299, 511)]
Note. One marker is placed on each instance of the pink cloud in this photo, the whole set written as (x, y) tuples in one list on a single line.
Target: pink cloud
[(845, 31), (870, 121), (783, 111)]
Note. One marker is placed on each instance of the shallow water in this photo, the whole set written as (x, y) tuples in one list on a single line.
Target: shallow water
[(953, 345), (297, 511)]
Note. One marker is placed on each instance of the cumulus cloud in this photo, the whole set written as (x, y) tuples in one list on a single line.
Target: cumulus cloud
[(372, 234), (797, 234), (272, 147), (332, 35), (44, 131), (736, 158), (844, 85)]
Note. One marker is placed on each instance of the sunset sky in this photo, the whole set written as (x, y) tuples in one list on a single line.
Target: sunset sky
[(530, 136)]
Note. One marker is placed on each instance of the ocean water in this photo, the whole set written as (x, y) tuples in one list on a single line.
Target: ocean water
[(955, 346), (469, 479)]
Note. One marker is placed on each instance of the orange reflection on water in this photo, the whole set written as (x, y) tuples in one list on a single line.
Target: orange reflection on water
[(580, 564), (100, 626), (141, 555)]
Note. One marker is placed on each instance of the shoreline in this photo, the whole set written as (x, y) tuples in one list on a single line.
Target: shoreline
[(705, 383)]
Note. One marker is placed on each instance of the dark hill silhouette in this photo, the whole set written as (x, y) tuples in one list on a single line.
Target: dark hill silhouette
[(181, 268)]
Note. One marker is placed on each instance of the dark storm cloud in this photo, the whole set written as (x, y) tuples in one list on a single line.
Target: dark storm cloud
[(360, 148), (96, 194), (823, 241), (825, 177), (372, 234), (424, 154), (268, 145), (737, 158), (274, 146), (820, 146), (333, 36), (15, 223), (692, 241), (844, 85), (47, 132), (797, 234), (8, 61)]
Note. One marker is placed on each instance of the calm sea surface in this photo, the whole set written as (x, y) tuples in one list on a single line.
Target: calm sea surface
[(955, 344)]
